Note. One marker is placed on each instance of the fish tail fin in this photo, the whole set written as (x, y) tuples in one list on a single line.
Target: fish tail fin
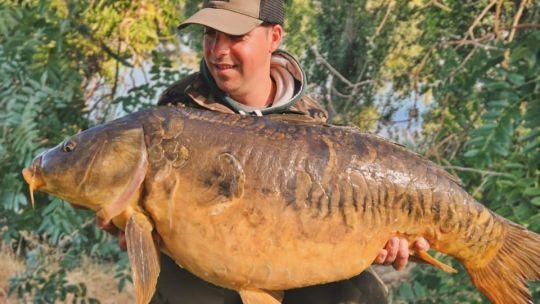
[(504, 279)]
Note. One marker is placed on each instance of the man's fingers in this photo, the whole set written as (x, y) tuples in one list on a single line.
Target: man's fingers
[(392, 246), (396, 252), (122, 243), (402, 256), (77, 206), (112, 229), (421, 244), (107, 226), (381, 257)]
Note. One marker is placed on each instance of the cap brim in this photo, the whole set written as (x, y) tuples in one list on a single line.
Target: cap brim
[(225, 21)]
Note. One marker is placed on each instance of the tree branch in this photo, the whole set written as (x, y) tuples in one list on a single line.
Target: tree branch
[(479, 171), (527, 26), (441, 6), (474, 42), (517, 17), (331, 109), (470, 31), (496, 22), (465, 60), (383, 22), (321, 59)]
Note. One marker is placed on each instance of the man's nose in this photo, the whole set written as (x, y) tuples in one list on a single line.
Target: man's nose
[(221, 44)]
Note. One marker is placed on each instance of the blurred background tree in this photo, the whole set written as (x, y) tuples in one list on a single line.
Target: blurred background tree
[(457, 81)]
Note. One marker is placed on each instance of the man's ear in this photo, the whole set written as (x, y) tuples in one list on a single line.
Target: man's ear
[(276, 34)]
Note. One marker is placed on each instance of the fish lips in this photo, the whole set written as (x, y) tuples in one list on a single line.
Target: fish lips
[(32, 175)]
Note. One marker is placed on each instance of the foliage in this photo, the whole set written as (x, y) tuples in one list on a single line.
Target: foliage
[(38, 284), (483, 124), (60, 65), (476, 66), (66, 65)]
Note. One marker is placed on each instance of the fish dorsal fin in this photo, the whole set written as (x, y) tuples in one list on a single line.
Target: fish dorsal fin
[(423, 256), (296, 118), (255, 296), (401, 147), (143, 257)]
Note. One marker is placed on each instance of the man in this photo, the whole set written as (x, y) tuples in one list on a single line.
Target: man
[(244, 72)]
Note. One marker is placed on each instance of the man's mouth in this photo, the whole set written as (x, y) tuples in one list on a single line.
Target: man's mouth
[(223, 66)]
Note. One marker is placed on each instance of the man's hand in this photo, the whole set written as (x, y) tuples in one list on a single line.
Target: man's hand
[(112, 229), (396, 252), (108, 227)]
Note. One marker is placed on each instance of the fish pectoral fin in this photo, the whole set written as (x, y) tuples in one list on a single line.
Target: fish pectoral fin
[(257, 296), (424, 256), (132, 188), (143, 257)]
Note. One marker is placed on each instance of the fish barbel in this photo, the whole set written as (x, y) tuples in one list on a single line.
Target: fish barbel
[(265, 204)]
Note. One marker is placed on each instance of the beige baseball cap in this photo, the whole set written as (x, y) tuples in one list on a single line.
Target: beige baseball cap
[(237, 17)]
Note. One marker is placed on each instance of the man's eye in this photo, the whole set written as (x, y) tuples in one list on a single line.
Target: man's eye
[(209, 32), (236, 37)]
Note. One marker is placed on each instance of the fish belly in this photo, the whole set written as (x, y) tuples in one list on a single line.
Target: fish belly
[(245, 244)]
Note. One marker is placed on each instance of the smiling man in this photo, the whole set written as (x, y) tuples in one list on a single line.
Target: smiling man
[(244, 72), (238, 64)]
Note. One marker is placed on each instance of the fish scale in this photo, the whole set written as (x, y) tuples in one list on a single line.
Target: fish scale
[(260, 205)]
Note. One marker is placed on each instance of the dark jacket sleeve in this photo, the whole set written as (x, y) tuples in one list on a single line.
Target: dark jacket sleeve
[(176, 93), (308, 106)]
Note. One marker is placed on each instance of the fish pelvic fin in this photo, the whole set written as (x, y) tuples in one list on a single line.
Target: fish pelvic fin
[(143, 257), (255, 296), (504, 278), (424, 256)]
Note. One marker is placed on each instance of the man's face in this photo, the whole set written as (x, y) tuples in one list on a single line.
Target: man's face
[(239, 62)]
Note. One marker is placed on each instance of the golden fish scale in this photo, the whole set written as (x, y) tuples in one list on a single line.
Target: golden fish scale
[(317, 203)]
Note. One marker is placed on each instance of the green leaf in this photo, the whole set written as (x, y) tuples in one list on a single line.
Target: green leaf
[(406, 292), (532, 134), (519, 53), (475, 141), (484, 130), (532, 192), (516, 79), (419, 290), (531, 146), (497, 85), (471, 153), (510, 96), (498, 104), (536, 201), (514, 166), (492, 114)]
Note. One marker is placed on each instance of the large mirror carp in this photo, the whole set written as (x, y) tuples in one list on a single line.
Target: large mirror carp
[(264, 204)]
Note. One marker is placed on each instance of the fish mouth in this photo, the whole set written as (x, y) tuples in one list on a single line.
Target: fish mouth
[(33, 178)]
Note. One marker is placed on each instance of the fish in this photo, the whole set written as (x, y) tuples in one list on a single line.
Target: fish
[(264, 204)]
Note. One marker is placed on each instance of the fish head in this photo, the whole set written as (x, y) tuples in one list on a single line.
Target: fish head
[(94, 168)]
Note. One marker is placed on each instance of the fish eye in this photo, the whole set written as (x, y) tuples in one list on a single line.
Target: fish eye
[(68, 146)]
